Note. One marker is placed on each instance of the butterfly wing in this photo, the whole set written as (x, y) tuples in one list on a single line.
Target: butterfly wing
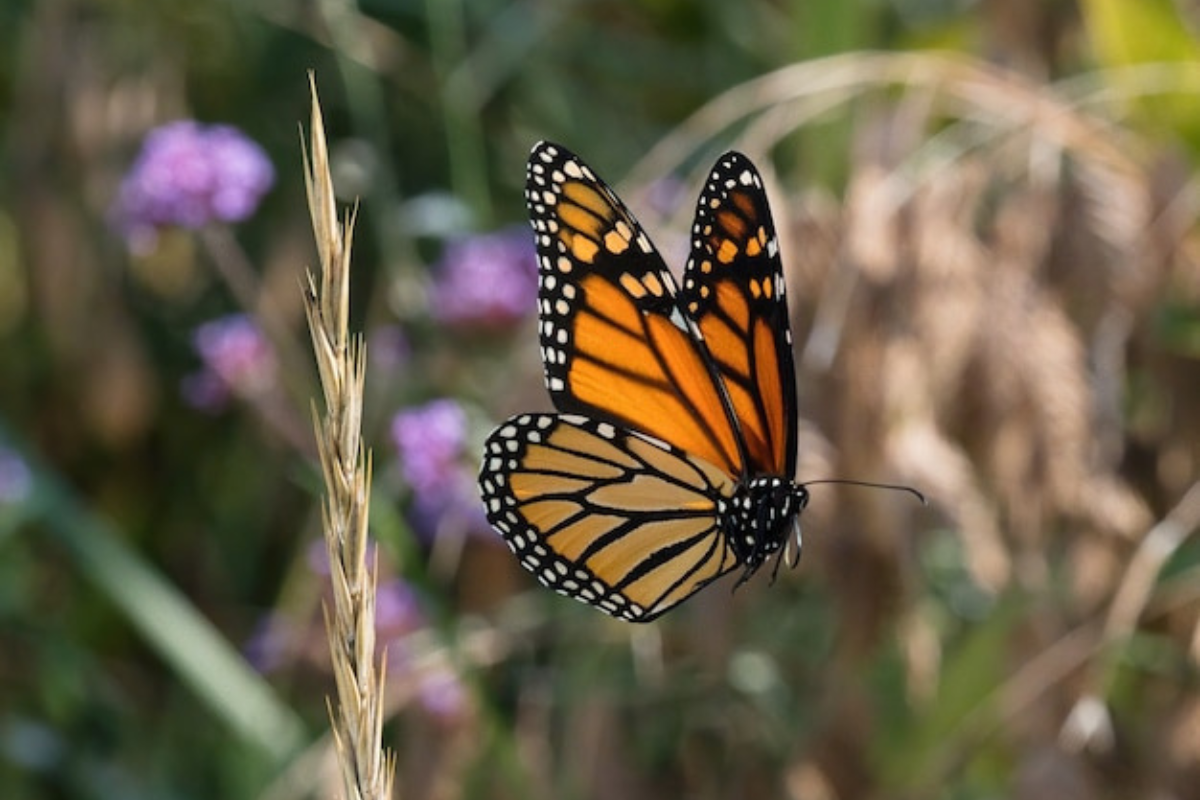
[(608, 516), (733, 287), (616, 344)]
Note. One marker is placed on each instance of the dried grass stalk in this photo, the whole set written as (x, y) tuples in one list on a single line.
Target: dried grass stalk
[(357, 716), (1156, 548)]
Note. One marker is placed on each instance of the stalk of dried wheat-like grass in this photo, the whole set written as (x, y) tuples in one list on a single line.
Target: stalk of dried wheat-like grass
[(357, 716)]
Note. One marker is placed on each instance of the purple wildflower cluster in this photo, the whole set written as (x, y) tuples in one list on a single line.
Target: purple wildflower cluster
[(237, 359), (188, 174), (431, 443), (430, 439), (442, 694), (397, 610), (398, 614), (487, 281)]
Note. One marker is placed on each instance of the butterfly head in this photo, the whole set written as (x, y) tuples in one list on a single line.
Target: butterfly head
[(762, 513)]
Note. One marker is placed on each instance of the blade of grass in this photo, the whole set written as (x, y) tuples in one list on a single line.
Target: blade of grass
[(202, 657)]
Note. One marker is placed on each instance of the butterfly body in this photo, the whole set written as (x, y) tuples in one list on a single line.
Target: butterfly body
[(671, 461), (760, 517)]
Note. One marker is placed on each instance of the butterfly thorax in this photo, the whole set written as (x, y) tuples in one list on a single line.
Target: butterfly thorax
[(759, 517)]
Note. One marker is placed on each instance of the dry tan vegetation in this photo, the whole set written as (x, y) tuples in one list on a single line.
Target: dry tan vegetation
[(976, 317), (357, 714)]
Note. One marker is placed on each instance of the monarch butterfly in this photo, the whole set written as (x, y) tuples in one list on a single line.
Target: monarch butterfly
[(670, 463)]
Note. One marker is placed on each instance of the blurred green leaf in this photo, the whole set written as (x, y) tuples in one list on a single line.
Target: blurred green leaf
[(1128, 33), (1125, 32), (1178, 328), (932, 738)]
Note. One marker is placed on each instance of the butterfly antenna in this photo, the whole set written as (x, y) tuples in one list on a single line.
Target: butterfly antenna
[(894, 487)]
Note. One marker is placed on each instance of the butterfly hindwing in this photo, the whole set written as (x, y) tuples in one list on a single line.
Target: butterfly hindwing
[(608, 516), (616, 343), (733, 287)]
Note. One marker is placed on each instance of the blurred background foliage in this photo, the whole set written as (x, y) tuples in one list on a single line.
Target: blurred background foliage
[(988, 215)]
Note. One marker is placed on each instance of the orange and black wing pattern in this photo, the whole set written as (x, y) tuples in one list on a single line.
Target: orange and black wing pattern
[(616, 343), (733, 289), (671, 461), (620, 521)]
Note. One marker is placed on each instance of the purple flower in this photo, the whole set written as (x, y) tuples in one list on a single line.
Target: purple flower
[(268, 646), (437, 686), (188, 174), (430, 441), (397, 605), (205, 391), (237, 358), (236, 351), (397, 610), (15, 478), (442, 695), (486, 281)]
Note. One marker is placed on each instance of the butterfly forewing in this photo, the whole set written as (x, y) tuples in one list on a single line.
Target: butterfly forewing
[(608, 516), (616, 344), (733, 287)]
